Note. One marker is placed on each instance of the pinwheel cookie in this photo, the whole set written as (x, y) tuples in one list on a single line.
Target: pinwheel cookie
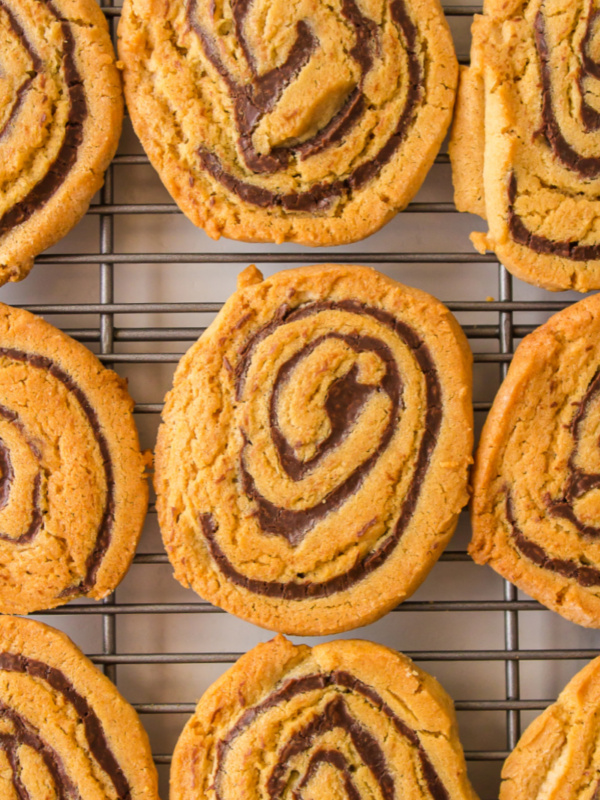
[(313, 456), (73, 494), (558, 755), (344, 719), (61, 108), (313, 122), (536, 503), (525, 146), (65, 731)]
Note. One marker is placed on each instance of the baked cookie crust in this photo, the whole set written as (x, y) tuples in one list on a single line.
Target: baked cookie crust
[(61, 109), (269, 121), (344, 719), (525, 144), (313, 455), (536, 500)]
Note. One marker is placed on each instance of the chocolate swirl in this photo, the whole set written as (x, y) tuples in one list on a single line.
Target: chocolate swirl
[(583, 574), (23, 733), (345, 399), (58, 168), (585, 167), (39, 501), (578, 483), (335, 689), (252, 101)]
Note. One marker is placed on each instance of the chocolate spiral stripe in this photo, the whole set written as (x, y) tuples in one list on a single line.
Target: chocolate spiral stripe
[(73, 136), (589, 68), (334, 759), (346, 397), (579, 482), (8, 475), (36, 66), (293, 524), (541, 244), (94, 732), (586, 167), (103, 536), (335, 715), (575, 570), (250, 107), (24, 735), (253, 101)]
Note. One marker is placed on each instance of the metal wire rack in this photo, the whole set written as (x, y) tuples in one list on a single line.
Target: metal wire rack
[(466, 626)]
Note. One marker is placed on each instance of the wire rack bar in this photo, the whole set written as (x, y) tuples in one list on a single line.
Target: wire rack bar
[(510, 657), (271, 258), (205, 308), (200, 607)]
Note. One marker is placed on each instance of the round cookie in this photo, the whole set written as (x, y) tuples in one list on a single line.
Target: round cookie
[(65, 731), (536, 484), (269, 121), (344, 719), (73, 494), (304, 444), (61, 109), (558, 755), (525, 144)]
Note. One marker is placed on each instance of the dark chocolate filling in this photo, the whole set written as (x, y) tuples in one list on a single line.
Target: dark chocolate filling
[(575, 570), (579, 482), (8, 475), (335, 759), (335, 715), (292, 527), (94, 732), (58, 170), (25, 735), (253, 101), (344, 402), (103, 536), (36, 66), (586, 167), (541, 244), (589, 68)]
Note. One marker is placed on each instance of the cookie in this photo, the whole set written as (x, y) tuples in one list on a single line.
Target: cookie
[(61, 108), (344, 719), (525, 145), (558, 754), (73, 494), (536, 484), (270, 121), (65, 731), (304, 444)]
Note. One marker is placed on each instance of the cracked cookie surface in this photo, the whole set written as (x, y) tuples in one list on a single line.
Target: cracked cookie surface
[(313, 455), (305, 121), (61, 108), (346, 719), (73, 494), (65, 731), (536, 484), (525, 145), (557, 756)]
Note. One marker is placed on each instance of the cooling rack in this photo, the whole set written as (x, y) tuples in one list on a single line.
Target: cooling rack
[(138, 284)]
